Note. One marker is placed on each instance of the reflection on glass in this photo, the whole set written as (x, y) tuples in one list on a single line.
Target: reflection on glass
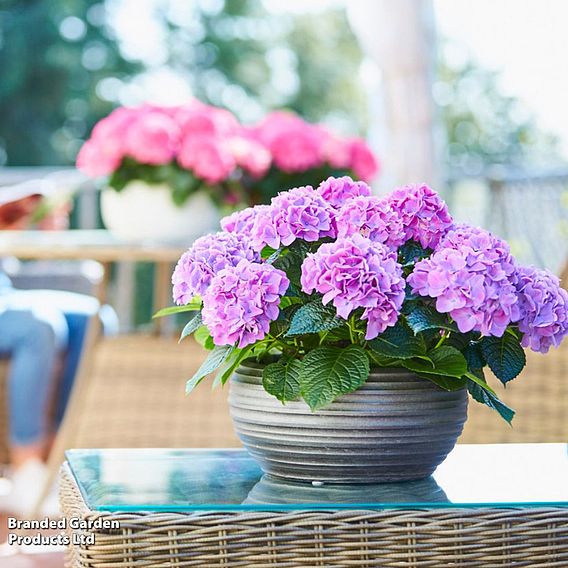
[(272, 491), (230, 480)]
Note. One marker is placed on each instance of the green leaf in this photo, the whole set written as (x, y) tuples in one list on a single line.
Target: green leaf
[(422, 318), (412, 252), (504, 355), (193, 306), (192, 325), (328, 372), (445, 382), (481, 394), (398, 342), (444, 360), (282, 380), (474, 357), (313, 318), (232, 362), (216, 358), (203, 337)]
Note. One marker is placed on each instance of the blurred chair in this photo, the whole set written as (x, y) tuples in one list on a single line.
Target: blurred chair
[(540, 398), (133, 396)]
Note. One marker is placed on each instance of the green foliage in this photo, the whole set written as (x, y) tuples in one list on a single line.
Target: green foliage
[(398, 342), (483, 126), (314, 317), (192, 325), (193, 306), (483, 395), (504, 355), (328, 372), (423, 318), (282, 379), (51, 72), (215, 359)]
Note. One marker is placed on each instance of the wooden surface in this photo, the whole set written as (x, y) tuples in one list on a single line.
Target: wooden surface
[(97, 245)]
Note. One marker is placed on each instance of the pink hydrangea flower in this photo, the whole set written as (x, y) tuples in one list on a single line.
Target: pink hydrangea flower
[(337, 190), (298, 213), (373, 218), (104, 151), (295, 145), (543, 308), (152, 138), (472, 276), (363, 161), (336, 150), (241, 301), (251, 155), (208, 157), (240, 221), (424, 214), (356, 273), (207, 256)]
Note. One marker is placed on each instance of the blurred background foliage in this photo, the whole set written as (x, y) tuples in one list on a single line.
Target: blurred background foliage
[(64, 65)]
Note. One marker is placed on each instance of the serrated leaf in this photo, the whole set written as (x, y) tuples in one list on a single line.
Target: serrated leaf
[(474, 356), (504, 355), (398, 342), (193, 306), (313, 318), (216, 358), (328, 372), (191, 326), (444, 361), (282, 380), (422, 318), (491, 400)]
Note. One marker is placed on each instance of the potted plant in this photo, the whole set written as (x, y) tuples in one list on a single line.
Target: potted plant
[(169, 170), (353, 327)]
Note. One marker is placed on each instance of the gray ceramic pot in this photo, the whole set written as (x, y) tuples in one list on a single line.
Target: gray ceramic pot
[(396, 427)]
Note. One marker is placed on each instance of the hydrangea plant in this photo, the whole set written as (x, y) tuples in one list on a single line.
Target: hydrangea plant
[(323, 284)]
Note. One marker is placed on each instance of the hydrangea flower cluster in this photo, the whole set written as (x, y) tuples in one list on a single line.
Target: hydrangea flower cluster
[(208, 256), (424, 214), (300, 213), (356, 273), (336, 191), (543, 306), (241, 301), (472, 276), (373, 218), (210, 143), (297, 146)]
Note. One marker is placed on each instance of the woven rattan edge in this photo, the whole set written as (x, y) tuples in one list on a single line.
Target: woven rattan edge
[(423, 537)]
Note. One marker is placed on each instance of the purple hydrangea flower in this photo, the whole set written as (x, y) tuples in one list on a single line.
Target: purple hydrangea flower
[(336, 191), (373, 218), (424, 214), (353, 273), (241, 301), (472, 276), (299, 213), (544, 309), (239, 221), (207, 256)]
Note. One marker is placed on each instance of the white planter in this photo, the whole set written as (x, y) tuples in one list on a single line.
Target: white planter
[(143, 211)]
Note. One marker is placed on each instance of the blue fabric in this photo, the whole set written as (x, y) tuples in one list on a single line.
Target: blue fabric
[(36, 326)]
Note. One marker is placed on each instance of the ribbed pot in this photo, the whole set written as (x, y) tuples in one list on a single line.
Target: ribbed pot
[(395, 427)]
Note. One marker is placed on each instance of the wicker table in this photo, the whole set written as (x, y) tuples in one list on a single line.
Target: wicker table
[(485, 506)]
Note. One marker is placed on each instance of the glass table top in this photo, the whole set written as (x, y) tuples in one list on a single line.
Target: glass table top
[(230, 480)]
